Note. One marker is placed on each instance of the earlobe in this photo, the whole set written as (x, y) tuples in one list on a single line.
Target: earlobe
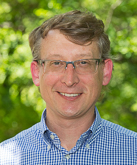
[(35, 72), (107, 72)]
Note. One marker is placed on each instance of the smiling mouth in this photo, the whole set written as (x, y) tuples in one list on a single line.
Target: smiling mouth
[(70, 95)]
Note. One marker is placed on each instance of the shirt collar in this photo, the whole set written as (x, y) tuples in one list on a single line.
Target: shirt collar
[(96, 122), (43, 122)]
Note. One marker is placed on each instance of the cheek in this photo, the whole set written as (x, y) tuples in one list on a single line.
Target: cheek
[(94, 83), (48, 81), (46, 85)]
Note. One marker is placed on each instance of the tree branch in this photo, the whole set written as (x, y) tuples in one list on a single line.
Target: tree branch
[(110, 13)]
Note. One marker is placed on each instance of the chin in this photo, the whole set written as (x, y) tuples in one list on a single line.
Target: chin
[(70, 113)]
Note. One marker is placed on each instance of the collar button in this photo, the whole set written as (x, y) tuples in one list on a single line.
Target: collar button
[(52, 136), (87, 146)]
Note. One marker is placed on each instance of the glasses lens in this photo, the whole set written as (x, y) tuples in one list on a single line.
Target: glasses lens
[(86, 66), (54, 65)]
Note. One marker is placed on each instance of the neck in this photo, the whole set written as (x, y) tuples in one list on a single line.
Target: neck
[(69, 130)]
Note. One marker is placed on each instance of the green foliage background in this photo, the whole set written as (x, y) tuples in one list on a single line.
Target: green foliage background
[(20, 102)]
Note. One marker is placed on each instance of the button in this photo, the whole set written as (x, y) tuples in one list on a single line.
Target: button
[(49, 146), (67, 156), (52, 136), (87, 146)]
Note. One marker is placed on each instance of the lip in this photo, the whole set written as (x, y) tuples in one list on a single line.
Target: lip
[(69, 96)]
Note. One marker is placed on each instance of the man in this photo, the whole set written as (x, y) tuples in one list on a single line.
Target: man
[(70, 64)]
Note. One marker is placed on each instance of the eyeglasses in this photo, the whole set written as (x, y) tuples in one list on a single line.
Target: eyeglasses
[(83, 66)]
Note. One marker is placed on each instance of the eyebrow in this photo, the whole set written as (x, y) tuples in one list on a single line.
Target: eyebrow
[(85, 55), (77, 55), (54, 55)]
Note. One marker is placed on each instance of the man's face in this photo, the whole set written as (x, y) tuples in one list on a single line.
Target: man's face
[(69, 94)]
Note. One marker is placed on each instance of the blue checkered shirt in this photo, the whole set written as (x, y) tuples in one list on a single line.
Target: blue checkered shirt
[(104, 143)]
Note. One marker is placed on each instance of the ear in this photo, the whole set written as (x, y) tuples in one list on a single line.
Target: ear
[(107, 71), (35, 72)]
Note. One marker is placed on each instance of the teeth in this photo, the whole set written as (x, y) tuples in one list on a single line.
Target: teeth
[(69, 95)]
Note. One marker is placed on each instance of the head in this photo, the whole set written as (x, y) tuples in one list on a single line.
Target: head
[(70, 37), (79, 27)]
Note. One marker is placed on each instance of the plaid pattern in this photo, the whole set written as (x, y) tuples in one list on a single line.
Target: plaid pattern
[(104, 143)]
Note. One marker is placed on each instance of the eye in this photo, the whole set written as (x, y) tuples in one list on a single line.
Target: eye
[(84, 62), (55, 63)]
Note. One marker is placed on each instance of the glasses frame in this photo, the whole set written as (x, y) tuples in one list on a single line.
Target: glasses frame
[(41, 62)]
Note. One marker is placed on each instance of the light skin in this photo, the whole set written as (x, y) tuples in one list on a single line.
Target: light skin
[(69, 115)]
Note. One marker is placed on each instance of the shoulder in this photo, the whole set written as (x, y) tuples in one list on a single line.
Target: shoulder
[(117, 129), (27, 135), (24, 143)]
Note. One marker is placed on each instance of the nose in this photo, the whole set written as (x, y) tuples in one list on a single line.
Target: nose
[(70, 77)]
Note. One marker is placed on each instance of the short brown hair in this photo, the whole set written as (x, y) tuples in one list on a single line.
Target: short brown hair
[(79, 27)]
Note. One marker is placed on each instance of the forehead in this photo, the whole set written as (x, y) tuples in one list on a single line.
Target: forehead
[(57, 44)]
